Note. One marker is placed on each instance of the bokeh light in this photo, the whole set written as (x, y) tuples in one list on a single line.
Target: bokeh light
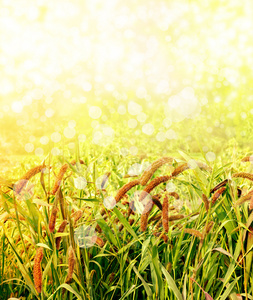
[(106, 71)]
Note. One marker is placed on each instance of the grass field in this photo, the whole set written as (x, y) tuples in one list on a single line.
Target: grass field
[(199, 246)]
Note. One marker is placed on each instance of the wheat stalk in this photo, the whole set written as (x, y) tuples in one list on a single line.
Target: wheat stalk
[(28, 175), (180, 169), (125, 188), (186, 166), (208, 228), (206, 202), (244, 198), (154, 183), (52, 219), (58, 179), (71, 264), (194, 232), (221, 184), (147, 174), (145, 214), (176, 217), (97, 240), (60, 230), (37, 272), (157, 202), (174, 194), (77, 215), (217, 194), (165, 216), (243, 175), (247, 158), (73, 162)]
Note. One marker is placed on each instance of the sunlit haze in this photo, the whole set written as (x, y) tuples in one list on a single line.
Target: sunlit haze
[(111, 70)]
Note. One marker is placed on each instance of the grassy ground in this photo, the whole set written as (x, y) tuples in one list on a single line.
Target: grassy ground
[(206, 251)]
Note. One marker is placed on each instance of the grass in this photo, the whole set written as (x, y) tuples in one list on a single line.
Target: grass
[(205, 254)]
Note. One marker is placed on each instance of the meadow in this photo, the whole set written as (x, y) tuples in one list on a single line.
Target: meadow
[(97, 223)]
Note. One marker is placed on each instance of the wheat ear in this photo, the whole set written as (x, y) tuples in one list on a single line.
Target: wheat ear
[(145, 214), (206, 202), (28, 175), (52, 219), (60, 230), (221, 184), (154, 183), (165, 216), (125, 188), (37, 272), (194, 232), (243, 175), (147, 174), (156, 200), (217, 194), (247, 158), (244, 198), (58, 179), (77, 215), (97, 240), (71, 264), (73, 162)]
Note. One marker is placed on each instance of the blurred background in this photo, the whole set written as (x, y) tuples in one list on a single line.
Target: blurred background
[(137, 76)]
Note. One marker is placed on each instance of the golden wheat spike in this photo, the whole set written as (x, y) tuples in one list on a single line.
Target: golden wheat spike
[(77, 215), (145, 214), (28, 175), (194, 232), (217, 194), (125, 188), (208, 228), (52, 219), (154, 183), (73, 162), (174, 194), (221, 184), (185, 166), (243, 175), (165, 216), (37, 272), (244, 198), (176, 217), (247, 158), (97, 240), (71, 264), (180, 169), (157, 202), (148, 173), (206, 202), (60, 230), (58, 179)]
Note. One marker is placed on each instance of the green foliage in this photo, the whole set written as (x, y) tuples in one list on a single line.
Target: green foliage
[(129, 264)]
